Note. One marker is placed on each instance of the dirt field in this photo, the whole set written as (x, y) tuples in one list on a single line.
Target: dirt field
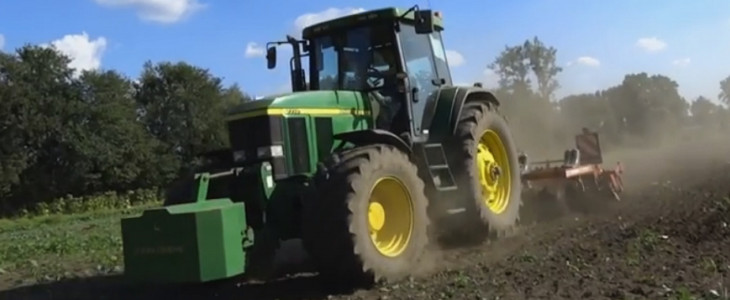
[(668, 239)]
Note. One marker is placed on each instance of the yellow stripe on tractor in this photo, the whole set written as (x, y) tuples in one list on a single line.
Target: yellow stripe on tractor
[(297, 111)]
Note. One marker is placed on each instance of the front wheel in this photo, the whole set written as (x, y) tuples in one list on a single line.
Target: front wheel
[(486, 167), (368, 218)]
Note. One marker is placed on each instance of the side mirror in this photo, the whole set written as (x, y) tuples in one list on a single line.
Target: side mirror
[(271, 57), (424, 21)]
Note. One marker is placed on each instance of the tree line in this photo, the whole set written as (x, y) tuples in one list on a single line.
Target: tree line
[(64, 132), (643, 110)]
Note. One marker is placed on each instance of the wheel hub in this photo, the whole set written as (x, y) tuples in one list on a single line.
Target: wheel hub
[(376, 216), (493, 168), (495, 172), (390, 217)]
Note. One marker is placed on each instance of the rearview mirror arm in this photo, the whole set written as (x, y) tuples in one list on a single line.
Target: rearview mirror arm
[(297, 73)]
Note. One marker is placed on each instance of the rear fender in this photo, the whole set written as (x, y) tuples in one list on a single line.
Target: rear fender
[(442, 113), (374, 136)]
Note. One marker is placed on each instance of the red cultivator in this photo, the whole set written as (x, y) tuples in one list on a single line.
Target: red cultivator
[(578, 182)]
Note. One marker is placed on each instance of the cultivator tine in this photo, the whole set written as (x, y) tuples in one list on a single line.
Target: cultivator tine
[(619, 181), (616, 184), (581, 184)]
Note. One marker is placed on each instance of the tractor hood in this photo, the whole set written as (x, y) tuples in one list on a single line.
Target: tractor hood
[(304, 103)]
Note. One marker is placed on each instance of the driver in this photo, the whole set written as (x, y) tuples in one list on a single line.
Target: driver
[(390, 102)]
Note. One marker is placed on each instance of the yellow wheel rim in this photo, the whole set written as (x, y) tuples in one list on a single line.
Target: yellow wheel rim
[(390, 216), (494, 171)]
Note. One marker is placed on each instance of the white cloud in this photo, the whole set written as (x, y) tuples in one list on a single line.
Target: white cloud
[(455, 58), (651, 44), (588, 61), (2, 41), (85, 54), (161, 11), (683, 62), (489, 79), (328, 14), (254, 50)]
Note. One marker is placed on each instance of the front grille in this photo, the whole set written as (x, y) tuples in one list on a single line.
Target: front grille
[(247, 135), (323, 127), (250, 133), (298, 143)]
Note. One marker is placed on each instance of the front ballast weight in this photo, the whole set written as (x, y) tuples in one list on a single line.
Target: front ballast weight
[(197, 241), (576, 183)]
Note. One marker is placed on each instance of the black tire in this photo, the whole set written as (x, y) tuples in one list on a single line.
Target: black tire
[(478, 222), (335, 222)]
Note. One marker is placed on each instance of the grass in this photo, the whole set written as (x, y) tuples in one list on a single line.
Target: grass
[(48, 246)]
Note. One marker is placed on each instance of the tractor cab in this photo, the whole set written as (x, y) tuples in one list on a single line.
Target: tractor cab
[(394, 57)]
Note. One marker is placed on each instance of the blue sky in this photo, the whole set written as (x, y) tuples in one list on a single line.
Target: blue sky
[(597, 41)]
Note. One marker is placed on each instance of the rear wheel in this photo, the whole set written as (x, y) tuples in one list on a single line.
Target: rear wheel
[(487, 170), (367, 219)]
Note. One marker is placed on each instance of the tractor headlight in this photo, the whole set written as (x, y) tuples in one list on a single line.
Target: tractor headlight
[(270, 151)]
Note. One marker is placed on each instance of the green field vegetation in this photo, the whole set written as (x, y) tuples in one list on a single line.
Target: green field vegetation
[(67, 238)]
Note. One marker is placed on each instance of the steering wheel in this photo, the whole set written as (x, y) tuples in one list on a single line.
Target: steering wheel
[(378, 81)]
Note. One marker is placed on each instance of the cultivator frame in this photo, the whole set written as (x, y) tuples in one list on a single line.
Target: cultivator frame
[(579, 179)]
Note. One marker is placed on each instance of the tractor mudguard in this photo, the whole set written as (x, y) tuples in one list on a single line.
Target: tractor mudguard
[(443, 110), (374, 136)]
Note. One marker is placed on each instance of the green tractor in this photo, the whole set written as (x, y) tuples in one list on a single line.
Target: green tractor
[(375, 157)]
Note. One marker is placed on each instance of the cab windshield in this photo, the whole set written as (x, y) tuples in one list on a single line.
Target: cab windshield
[(359, 59)]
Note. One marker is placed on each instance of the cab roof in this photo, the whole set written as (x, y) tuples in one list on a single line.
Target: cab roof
[(383, 14)]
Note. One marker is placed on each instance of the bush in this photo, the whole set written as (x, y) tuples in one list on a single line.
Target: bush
[(99, 202)]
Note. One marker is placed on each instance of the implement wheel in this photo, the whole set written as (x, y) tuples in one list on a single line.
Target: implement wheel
[(367, 218), (486, 167)]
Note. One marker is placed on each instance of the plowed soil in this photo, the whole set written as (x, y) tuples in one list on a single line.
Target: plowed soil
[(669, 238)]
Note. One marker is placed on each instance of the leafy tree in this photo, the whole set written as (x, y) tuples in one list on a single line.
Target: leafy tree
[(233, 95), (16, 127), (707, 114), (725, 90), (44, 103), (183, 106), (116, 148), (702, 107), (543, 64), (649, 106), (588, 110), (529, 109), (512, 68)]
